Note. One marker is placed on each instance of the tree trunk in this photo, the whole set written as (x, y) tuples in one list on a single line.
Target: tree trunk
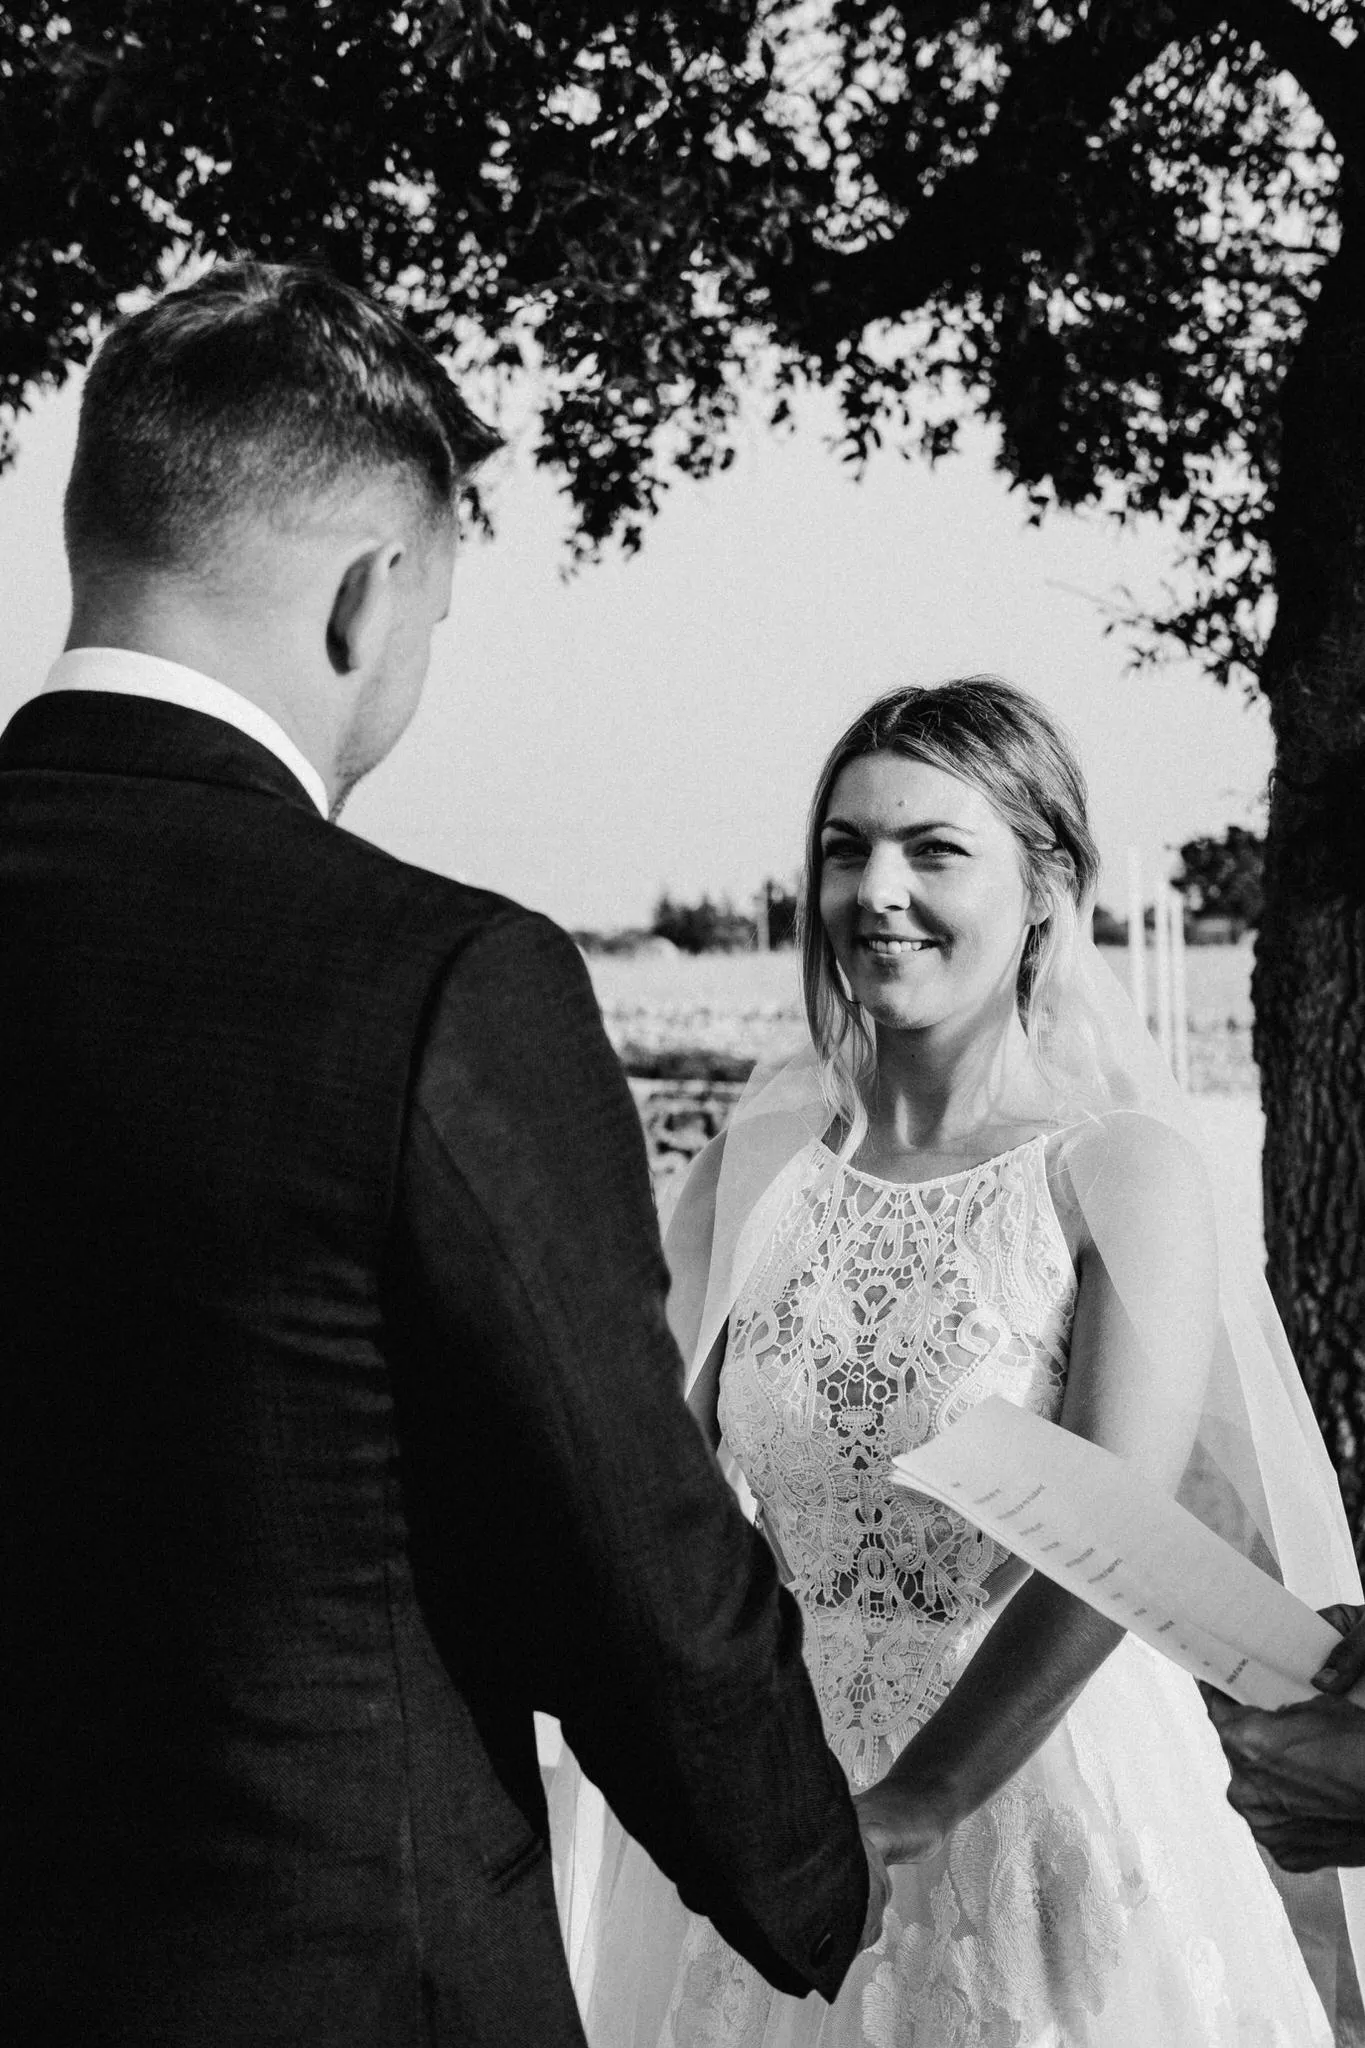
[(1309, 982)]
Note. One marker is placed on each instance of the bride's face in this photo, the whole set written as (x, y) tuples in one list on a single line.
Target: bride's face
[(922, 894)]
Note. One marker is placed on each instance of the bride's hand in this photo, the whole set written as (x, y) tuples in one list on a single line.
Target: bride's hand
[(904, 1823)]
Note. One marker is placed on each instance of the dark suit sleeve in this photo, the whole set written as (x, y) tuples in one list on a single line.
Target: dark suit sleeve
[(577, 1548)]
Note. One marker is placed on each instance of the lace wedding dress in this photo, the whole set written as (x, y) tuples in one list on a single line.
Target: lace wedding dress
[(1107, 1897)]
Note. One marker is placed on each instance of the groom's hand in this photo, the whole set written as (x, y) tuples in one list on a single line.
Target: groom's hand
[(1298, 1777), (1346, 1663)]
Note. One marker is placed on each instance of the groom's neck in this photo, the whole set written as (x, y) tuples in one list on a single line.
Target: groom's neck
[(161, 620)]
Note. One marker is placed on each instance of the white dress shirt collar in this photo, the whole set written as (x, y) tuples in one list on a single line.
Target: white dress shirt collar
[(120, 672)]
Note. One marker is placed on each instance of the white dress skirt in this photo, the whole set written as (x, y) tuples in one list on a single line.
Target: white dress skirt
[(1107, 1897)]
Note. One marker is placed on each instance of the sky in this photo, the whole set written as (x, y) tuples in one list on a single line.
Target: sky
[(658, 722)]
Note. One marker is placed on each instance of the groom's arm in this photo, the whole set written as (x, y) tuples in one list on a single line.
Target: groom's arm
[(563, 1498)]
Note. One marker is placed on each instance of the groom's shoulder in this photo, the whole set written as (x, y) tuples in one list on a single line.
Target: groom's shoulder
[(402, 898)]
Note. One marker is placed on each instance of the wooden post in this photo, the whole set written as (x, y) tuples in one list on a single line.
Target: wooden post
[(1162, 964), (1180, 994), (1137, 936)]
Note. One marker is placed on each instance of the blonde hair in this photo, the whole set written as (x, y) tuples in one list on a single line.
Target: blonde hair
[(1001, 741)]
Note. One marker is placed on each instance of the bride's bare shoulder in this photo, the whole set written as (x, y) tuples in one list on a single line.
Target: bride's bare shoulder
[(1127, 1142), (1133, 1171)]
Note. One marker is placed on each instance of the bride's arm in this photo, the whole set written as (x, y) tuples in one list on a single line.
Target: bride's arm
[(687, 1243), (687, 1248), (1141, 1348), (703, 1396)]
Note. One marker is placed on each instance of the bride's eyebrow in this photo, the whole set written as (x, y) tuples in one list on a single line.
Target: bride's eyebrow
[(916, 831)]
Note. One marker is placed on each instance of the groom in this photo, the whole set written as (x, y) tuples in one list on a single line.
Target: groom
[(342, 1428)]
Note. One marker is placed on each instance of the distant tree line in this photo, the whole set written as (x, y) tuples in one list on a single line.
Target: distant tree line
[(714, 925), (1220, 877)]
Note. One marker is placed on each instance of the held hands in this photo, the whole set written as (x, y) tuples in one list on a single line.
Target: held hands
[(900, 1824), (903, 1823), (1298, 1774), (878, 1896)]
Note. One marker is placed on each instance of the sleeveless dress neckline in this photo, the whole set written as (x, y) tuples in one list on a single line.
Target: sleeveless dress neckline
[(940, 1180)]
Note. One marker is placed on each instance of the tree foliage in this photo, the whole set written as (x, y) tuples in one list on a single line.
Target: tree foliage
[(1223, 875), (1103, 225), (547, 189), (1107, 928), (1098, 222), (781, 908), (706, 926)]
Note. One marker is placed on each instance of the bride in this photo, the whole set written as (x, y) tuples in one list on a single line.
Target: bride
[(973, 1183)]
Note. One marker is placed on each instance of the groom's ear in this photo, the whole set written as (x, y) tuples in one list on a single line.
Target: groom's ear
[(362, 608)]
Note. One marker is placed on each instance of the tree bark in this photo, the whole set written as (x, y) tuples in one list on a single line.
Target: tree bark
[(1309, 981)]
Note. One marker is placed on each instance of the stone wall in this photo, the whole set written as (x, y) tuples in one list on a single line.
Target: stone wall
[(679, 1117)]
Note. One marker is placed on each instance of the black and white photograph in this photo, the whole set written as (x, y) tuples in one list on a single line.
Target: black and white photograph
[(682, 1012)]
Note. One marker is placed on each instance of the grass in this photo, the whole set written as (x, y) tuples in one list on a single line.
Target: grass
[(713, 1014)]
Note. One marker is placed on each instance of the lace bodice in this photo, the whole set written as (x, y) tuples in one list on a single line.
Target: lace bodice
[(879, 1314)]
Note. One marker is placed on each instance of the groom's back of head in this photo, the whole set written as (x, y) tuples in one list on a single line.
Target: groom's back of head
[(255, 393)]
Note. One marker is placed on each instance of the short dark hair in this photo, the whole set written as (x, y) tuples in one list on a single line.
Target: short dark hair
[(256, 386)]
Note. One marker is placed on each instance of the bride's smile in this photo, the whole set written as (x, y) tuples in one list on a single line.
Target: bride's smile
[(886, 946)]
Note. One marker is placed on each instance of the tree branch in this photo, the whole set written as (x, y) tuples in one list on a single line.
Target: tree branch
[(926, 20), (1331, 74), (1064, 90), (951, 238)]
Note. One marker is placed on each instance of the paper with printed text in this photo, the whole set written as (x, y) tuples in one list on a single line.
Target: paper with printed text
[(1087, 1520)]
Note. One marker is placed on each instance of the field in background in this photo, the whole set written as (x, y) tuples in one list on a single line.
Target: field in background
[(675, 1012)]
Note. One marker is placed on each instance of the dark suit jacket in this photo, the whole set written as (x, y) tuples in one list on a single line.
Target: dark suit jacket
[(341, 1431)]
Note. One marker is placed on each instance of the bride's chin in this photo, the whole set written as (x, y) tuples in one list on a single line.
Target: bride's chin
[(893, 1016)]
